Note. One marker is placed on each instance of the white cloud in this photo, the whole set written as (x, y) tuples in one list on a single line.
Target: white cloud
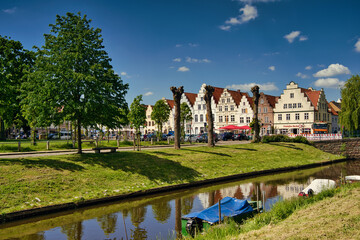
[(183, 69), (178, 45), (257, 1), (225, 28), (195, 60), (247, 13), (272, 68), (291, 36), (301, 75), (247, 87), (193, 44), (148, 93), (233, 21), (177, 60), (357, 45), (123, 73), (308, 67), (332, 70), (329, 83), (10, 10), (303, 38)]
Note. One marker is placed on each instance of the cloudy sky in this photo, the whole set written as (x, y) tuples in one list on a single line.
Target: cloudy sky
[(226, 43)]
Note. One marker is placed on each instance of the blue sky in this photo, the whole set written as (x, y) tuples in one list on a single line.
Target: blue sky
[(226, 43)]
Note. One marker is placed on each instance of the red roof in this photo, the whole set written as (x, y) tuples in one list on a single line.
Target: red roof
[(333, 112), (170, 103), (236, 95), (191, 97), (217, 93), (271, 99), (312, 95), (250, 100)]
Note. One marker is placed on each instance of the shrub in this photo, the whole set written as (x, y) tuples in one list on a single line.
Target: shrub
[(300, 139), (284, 138)]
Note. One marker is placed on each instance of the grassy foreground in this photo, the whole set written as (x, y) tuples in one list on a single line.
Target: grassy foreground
[(39, 181), (332, 214)]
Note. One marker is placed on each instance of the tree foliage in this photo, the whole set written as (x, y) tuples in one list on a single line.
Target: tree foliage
[(350, 104), (15, 62), (160, 114), (73, 78), (137, 116)]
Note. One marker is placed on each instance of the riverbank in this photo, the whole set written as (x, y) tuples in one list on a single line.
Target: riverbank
[(332, 214), (28, 183)]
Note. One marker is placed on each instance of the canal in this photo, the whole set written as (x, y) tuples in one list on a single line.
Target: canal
[(158, 216)]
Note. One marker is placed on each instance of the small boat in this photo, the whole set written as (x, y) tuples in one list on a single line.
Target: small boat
[(352, 178), (317, 186), (230, 207)]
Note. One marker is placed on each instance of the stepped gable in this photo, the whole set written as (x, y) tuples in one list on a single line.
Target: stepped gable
[(170, 103), (217, 94), (250, 99), (191, 97), (312, 95), (236, 95), (332, 110)]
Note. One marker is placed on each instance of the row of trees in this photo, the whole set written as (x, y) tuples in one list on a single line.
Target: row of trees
[(70, 78)]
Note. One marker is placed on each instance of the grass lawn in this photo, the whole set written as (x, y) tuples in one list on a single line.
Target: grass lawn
[(332, 214), (39, 181), (12, 145)]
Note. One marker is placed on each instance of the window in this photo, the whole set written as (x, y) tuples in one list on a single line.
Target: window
[(291, 95), (290, 105), (294, 105), (287, 116), (220, 108), (243, 110), (243, 103), (297, 116), (247, 119), (328, 117), (196, 118), (226, 118), (201, 118), (199, 107), (202, 98), (232, 108), (228, 100), (316, 117), (306, 116), (299, 105), (266, 119), (223, 100), (259, 110), (265, 109), (261, 101), (241, 119), (324, 116), (220, 118), (280, 117), (285, 106), (226, 108), (204, 106), (232, 118)]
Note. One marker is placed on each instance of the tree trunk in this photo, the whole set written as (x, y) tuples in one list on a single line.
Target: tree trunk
[(33, 138), (209, 90), (256, 96), (177, 92), (2, 129), (138, 140), (79, 136)]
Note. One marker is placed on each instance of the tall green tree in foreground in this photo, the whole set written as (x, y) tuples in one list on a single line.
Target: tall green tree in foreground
[(350, 104), (137, 118), (185, 116), (160, 115), (73, 78), (177, 92), (15, 61), (256, 96), (209, 90)]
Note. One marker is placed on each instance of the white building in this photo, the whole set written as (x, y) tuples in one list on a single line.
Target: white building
[(227, 108), (245, 110), (189, 99)]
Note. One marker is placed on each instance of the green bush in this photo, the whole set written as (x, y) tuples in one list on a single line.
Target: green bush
[(284, 138)]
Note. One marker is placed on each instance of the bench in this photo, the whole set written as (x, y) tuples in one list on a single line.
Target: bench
[(98, 149)]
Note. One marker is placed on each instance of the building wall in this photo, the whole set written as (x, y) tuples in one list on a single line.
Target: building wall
[(245, 112), (265, 114), (226, 111)]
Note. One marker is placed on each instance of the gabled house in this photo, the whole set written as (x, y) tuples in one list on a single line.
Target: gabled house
[(266, 113), (227, 108), (245, 110), (189, 99), (150, 124), (301, 110), (335, 108), (170, 124)]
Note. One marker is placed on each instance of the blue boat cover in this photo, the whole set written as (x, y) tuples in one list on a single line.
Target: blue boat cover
[(230, 207)]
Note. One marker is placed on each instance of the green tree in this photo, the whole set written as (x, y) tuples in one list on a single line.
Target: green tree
[(73, 78), (160, 115), (15, 61), (185, 116), (350, 105), (137, 117)]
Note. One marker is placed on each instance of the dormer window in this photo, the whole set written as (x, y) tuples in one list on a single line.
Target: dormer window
[(291, 95)]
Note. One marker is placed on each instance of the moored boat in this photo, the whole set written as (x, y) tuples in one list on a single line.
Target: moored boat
[(352, 178), (317, 186), (230, 207)]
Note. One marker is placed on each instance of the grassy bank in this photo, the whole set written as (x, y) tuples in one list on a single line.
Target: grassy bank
[(41, 145), (332, 214), (39, 181)]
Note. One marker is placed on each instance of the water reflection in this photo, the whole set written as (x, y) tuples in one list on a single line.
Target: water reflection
[(159, 216)]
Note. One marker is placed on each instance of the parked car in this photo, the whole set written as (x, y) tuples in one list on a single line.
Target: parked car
[(227, 136), (204, 137), (191, 137), (52, 136), (240, 136)]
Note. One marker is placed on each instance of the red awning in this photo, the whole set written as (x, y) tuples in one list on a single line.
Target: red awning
[(231, 127), (245, 127)]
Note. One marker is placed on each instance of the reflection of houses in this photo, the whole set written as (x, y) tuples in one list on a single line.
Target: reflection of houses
[(292, 189), (298, 109), (247, 189)]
